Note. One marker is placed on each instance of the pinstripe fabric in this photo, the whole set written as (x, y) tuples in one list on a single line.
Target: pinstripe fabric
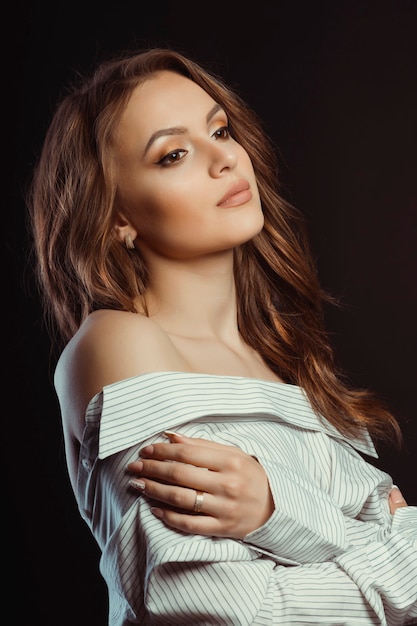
[(331, 553)]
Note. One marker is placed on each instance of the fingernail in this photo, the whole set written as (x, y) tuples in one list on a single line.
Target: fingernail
[(396, 495), (171, 433), (137, 484), (147, 451), (135, 466), (157, 512)]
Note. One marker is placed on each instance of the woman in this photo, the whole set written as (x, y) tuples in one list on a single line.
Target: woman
[(182, 288)]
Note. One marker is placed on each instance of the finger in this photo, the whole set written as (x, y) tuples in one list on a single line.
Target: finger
[(179, 498), (178, 438), (195, 454), (196, 524), (180, 474)]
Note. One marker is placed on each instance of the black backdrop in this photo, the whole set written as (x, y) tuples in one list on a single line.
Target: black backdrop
[(336, 84)]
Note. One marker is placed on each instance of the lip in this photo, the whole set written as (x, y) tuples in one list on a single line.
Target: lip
[(239, 193)]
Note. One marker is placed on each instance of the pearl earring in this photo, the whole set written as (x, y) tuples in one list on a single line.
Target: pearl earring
[(129, 242)]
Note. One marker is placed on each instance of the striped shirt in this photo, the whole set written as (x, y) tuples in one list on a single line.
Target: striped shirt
[(331, 553)]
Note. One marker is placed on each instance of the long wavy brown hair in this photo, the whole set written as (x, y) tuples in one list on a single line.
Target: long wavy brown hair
[(81, 266)]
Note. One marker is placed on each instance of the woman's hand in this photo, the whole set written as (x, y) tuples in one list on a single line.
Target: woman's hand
[(237, 498), (395, 500)]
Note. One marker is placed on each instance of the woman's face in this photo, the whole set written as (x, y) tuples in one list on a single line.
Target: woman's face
[(185, 186)]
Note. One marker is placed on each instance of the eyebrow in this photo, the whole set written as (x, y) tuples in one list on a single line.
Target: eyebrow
[(179, 130)]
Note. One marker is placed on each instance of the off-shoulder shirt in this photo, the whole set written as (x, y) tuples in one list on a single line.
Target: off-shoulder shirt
[(331, 553)]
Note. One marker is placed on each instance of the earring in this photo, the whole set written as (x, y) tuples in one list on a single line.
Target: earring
[(129, 242)]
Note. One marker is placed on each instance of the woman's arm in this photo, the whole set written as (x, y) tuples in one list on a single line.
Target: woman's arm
[(359, 583), (258, 593), (237, 496)]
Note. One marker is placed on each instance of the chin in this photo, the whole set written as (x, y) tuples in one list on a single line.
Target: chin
[(243, 237), (250, 225)]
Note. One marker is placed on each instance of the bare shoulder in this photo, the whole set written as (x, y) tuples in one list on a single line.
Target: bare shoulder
[(110, 346)]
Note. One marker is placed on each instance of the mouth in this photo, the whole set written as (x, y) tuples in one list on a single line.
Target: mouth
[(238, 194)]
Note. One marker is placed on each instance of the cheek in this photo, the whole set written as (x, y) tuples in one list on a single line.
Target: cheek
[(162, 213), (172, 200), (141, 203)]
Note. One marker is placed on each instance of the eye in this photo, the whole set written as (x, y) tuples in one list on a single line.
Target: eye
[(222, 133), (172, 157)]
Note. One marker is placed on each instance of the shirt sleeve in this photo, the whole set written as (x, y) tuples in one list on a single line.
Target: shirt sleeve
[(376, 550), (208, 581), (385, 568), (306, 526)]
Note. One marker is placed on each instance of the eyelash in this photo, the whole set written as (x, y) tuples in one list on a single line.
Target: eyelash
[(222, 133)]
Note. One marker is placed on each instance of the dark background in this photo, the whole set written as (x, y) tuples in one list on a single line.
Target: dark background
[(336, 85)]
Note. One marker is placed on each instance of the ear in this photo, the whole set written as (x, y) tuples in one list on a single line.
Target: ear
[(124, 227)]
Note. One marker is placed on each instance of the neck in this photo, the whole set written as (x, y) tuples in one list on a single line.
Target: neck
[(194, 299)]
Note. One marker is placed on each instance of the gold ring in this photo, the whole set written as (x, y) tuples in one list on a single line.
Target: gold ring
[(198, 503)]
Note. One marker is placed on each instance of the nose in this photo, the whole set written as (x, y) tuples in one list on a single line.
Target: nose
[(223, 157)]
